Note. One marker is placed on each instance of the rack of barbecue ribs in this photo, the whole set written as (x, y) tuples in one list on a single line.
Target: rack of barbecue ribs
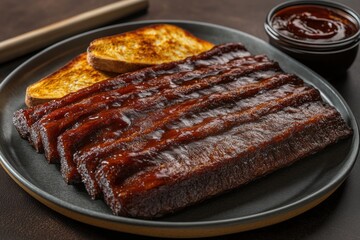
[(154, 141)]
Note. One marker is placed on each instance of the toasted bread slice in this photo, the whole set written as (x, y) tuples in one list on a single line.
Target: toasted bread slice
[(73, 76), (144, 47), (111, 55)]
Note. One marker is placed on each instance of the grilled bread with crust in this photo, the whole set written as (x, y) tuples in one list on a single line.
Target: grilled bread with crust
[(111, 55), (150, 45), (75, 75)]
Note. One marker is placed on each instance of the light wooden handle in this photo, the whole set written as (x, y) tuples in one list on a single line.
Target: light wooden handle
[(33, 40)]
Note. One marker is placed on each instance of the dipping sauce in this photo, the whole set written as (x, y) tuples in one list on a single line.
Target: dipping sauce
[(323, 35), (313, 24)]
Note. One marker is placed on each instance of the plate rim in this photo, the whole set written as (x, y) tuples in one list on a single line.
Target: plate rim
[(178, 226)]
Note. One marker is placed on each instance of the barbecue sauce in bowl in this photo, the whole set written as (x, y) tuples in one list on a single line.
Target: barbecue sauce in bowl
[(313, 23), (321, 34)]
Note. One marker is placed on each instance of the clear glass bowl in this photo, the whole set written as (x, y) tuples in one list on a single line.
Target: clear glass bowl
[(323, 57)]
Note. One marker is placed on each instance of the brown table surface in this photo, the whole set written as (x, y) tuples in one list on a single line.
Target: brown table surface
[(22, 217)]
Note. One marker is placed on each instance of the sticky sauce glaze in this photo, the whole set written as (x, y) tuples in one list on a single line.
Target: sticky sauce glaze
[(313, 23)]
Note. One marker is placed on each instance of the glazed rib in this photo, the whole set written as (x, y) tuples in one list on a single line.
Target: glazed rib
[(24, 118), (192, 172), (66, 144), (115, 99), (155, 122), (131, 157), (50, 128)]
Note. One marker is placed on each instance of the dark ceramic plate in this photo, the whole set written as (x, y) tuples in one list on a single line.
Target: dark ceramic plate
[(275, 198)]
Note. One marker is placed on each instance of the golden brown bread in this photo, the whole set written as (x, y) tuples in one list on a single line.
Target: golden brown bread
[(73, 76), (117, 54), (150, 45)]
